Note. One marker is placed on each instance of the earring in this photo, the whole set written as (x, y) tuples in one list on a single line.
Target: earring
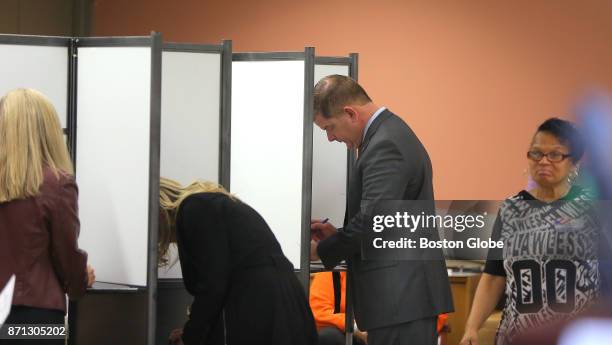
[(573, 175)]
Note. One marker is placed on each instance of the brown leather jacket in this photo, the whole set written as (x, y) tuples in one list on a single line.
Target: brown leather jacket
[(40, 245)]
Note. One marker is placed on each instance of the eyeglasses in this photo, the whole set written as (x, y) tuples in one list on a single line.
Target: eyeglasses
[(554, 156)]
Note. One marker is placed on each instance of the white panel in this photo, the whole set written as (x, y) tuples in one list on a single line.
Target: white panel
[(113, 160), (329, 161), (267, 141), (322, 71), (42, 68), (191, 90)]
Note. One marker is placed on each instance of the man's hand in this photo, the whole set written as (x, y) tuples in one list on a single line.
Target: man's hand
[(91, 276), (314, 256), (176, 337), (320, 231)]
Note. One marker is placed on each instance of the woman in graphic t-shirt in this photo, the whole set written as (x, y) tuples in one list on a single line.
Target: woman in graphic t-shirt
[(546, 268)]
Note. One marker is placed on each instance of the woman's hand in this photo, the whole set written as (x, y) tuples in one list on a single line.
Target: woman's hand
[(176, 337), (91, 276), (470, 337)]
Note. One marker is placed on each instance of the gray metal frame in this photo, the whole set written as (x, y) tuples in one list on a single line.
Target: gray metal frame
[(133, 41), (226, 112), (309, 61), (268, 56), (333, 60), (353, 73), (192, 47), (53, 41), (72, 100), (154, 164), (309, 65)]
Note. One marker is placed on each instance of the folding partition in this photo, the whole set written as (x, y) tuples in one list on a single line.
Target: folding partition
[(113, 86), (331, 161), (329, 174), (117, 159), (196, 90), (271, 144), (117, 156), (133, 109), (107, 92), (39, 63)]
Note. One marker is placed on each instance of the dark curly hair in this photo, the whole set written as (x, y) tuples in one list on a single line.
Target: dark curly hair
[(567, 134)]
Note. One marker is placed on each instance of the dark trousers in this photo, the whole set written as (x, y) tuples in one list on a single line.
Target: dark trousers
[(417, 332), (30, 315), (333, 336)]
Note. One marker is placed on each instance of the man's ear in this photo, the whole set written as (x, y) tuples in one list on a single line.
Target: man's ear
[(351, 112)]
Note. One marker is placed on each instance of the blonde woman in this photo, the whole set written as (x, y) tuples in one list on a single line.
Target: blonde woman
[(231, 262), (39, 224)]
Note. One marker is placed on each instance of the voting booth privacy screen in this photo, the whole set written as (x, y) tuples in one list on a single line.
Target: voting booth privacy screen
[(44, 68), (191, 89), (275, 166), (271, 143), (329, 163), (102, 90), (113, 161), (191, 122), (266, 170), (107, 94), (134, 109)]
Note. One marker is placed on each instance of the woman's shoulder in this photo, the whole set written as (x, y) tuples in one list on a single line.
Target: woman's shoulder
[(514, 202), (522, 195), (205, 202), (578, 192), (55, 181), (206, 197)]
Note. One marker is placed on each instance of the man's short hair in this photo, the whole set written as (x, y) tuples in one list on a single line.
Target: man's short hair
[(336, 91)]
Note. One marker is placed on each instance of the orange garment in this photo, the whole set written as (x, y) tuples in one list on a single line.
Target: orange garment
[(442, 318), (322, 302)]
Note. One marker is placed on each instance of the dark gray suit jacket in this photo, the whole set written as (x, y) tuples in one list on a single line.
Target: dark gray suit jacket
[(392, 165)]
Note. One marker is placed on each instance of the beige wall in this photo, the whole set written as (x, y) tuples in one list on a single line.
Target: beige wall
[(473, 78)]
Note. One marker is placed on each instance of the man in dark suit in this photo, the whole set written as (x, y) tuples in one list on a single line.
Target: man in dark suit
[(396, 302)]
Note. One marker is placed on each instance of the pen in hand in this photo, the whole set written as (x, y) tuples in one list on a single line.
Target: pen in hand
[(317, 235)]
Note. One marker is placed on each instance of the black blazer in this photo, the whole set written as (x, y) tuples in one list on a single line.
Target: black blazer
[(231, 261), (392, 165)]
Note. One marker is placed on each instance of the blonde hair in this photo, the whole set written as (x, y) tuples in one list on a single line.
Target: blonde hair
[(30, 138), (171, 195)]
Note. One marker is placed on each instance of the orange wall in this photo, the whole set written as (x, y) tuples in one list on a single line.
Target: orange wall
[(473, 78)]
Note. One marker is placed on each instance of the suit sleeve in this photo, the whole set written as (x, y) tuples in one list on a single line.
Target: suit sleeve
[(385, 176), (204, 234), (69, 262), (322, 302)]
